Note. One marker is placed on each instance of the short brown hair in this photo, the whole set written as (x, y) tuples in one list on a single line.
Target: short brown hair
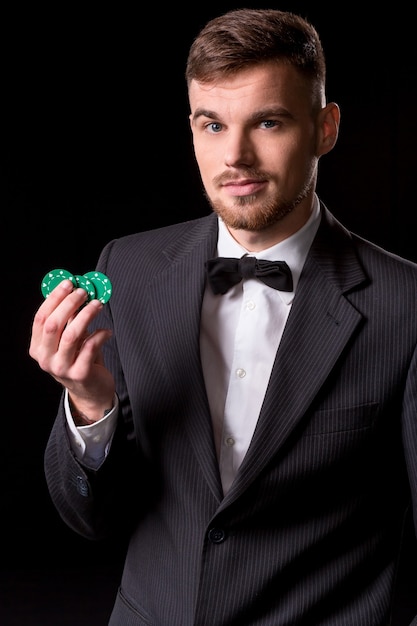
[(243, 38)]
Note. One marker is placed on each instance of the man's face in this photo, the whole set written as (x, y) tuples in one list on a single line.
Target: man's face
[(256, 145)]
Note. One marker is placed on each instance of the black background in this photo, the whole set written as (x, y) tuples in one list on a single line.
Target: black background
[(95, 145)]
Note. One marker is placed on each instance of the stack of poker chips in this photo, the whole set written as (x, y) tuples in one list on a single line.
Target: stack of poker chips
[(96, 284)]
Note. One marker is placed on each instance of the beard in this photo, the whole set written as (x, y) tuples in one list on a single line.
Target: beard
[(253, 213)]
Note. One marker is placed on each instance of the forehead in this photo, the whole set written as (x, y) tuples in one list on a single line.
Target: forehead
[(272, 84)]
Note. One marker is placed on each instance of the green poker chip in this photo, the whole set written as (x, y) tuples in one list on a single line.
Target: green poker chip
[(96, 284), (52, 280), (102, 285), (85, 283)]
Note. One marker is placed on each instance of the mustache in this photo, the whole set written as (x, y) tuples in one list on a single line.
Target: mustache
[(249, 172)]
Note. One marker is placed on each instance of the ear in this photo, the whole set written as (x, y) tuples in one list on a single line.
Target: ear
[(190, 119), (328, 128)]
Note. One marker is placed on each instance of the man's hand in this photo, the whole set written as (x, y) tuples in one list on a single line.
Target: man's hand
[(63, 347)]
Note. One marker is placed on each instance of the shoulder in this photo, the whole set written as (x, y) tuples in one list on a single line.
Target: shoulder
[(154, 242), (341, 238), (143, 257), (342, 252)]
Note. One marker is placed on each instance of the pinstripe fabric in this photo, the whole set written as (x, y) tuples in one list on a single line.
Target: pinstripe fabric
[(310, 531)]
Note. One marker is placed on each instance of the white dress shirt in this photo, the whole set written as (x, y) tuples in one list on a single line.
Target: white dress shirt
[(240, 334)]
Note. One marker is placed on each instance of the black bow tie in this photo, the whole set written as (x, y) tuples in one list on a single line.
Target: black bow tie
[(225, 272)]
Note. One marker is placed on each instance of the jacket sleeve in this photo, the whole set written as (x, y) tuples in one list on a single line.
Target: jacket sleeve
[(94, 503)]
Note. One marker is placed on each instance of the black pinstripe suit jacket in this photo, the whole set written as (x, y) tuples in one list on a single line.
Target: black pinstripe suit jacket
[(311, 530)]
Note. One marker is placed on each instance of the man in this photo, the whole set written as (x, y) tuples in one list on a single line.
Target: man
[(259, 440)]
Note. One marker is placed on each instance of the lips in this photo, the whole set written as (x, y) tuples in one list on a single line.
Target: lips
[(244, 187)]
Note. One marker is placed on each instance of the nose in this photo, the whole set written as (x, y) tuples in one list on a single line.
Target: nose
[(239, 150)]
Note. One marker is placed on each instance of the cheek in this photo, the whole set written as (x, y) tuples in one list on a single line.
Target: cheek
[(206, 159), (300, 152), (280, 149)]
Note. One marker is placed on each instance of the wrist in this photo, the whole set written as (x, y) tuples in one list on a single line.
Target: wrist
[(82, 419)]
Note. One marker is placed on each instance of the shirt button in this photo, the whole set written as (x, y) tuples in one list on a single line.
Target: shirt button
[(240, 373), (250, 305), (216, 535), (229, 441)]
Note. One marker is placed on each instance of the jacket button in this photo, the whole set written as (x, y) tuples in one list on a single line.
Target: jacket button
[(82, 486), (216, 535)]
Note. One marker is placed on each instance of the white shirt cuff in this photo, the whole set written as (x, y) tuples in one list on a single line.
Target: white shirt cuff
[(91, 443)]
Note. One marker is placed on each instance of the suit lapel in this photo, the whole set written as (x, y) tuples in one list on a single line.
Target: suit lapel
[(180, 288), (320, 324)]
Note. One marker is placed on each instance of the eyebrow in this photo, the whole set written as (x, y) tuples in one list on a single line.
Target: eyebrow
[(204, 113), (263, 114)]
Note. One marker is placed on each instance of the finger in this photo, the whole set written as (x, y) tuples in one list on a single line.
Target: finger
[(52, 317), (74, 333), (57, 295), (89, 356), (58, 344), (45, 310)]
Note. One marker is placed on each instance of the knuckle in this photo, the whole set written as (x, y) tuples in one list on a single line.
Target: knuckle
[(69, 336), (40, 317), (50, 326)]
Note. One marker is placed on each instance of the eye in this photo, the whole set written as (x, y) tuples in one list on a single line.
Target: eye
[(269, 124), (214, 127)]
